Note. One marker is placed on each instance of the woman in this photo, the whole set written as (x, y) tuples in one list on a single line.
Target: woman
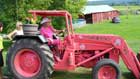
[(48, 31), (17, 31)]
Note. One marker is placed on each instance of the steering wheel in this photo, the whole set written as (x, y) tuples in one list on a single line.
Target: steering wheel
[(63, 33)]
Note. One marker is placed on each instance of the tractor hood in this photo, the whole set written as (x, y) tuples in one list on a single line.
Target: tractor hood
[(99, 37)]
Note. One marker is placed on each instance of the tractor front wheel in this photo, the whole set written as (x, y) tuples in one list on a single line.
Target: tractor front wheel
[(29, 59), (106, 69)]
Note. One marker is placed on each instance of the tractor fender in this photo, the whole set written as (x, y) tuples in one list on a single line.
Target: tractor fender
[(41, 38)]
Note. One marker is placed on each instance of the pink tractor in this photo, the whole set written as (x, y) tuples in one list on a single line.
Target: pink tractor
[(30, 56)]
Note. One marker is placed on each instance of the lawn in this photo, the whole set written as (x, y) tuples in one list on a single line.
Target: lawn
[(126, 7), (129, 29)]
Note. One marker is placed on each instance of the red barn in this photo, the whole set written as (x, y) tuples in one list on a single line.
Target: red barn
[(96, 14)]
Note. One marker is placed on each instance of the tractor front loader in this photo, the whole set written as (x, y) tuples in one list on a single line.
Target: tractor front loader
[(32, 56)]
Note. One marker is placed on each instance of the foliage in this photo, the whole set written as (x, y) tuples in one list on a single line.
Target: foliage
[(72, 6), (25, 5), (13, 10), (7, 14)]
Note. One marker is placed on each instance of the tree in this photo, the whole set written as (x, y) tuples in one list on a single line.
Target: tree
[(73, 6), (12, 10), (7, 14), (25, 5)]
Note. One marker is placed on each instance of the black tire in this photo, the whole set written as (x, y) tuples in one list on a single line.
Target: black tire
[(45, 56), (106, 63), (49, 58)]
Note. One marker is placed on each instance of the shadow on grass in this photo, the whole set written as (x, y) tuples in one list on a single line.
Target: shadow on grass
[(7, 73), (78, 74), (87, 75), (127, 75), (71, 75)]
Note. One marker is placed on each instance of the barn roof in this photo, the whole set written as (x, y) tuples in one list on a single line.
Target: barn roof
[(96, 9)]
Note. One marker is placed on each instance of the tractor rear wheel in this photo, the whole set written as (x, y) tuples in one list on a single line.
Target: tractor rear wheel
[(106, 69), (28, 59)]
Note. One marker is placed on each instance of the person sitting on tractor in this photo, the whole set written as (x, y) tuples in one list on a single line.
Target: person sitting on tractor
[(48, 31), (17, 31)]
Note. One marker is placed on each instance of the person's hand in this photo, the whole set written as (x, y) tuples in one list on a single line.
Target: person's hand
[(0, 49), (50, 41), (9, 37), (64, 30)]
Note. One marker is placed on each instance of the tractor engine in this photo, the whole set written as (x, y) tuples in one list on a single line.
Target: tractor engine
[(83, 55)]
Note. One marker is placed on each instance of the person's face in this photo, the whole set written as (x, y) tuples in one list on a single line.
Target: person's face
[(1, 28), (19, 27), (48, 24)]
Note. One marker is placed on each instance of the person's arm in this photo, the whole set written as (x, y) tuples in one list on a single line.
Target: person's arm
[(11, 34), (59, 31), (56, 31)]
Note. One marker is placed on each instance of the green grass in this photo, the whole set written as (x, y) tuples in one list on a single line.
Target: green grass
[(129, 29), (126, 7)]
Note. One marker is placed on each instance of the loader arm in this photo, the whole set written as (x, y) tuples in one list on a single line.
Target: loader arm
[(128, 56), (130, 59)]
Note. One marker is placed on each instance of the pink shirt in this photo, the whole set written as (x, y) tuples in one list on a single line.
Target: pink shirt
[(47, 32)]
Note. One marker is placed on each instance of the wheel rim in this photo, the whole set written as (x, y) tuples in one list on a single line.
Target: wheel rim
[(27, 63), (107, 72)]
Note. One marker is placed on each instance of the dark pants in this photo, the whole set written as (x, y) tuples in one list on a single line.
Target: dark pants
[(1, 59)]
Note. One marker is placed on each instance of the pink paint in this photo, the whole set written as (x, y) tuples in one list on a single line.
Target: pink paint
[(48, 33)]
